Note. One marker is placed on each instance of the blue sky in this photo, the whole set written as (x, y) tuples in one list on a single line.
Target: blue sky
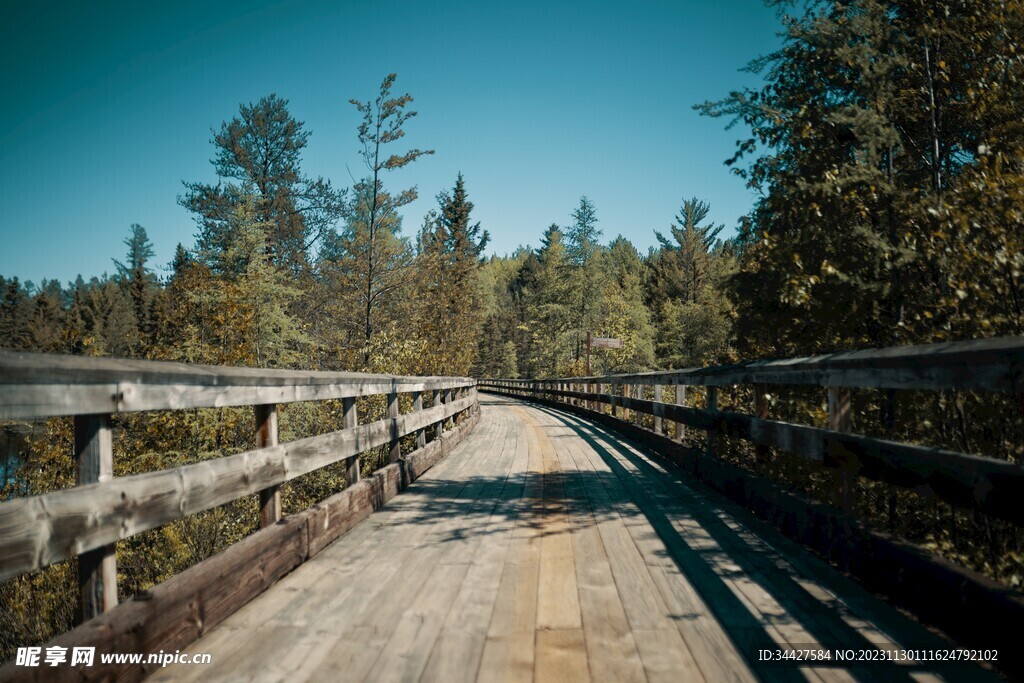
[(109, 106)]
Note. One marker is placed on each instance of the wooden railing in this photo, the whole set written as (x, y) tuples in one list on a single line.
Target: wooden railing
[(87, 520), (993, 486)]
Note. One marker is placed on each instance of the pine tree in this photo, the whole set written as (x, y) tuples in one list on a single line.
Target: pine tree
[(881, 131), (449, 258), (549, 315), (367, 273), (587, 278), (383, 123), (138, 279), (258, 154)]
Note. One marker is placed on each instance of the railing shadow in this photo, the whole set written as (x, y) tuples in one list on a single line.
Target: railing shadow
[(633, 489)]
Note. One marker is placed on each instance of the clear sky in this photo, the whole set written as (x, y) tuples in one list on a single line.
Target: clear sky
[(108, 108)]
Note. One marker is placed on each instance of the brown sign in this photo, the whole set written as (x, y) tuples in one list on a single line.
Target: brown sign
[(605, 343)]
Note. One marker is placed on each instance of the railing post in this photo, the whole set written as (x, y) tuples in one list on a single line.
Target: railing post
[(625, 395), (611, 400), (266, 436), (395, 453), (712, 405), (417, 406), (761, 453), (438, 400), (97, 569), (680, 401), (350, 417), (839, 420), (657, 420)]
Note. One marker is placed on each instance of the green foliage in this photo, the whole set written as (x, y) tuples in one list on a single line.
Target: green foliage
[(448, 286)]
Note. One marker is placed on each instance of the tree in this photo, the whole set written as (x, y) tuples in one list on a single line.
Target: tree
[(138, 279), (367, 274), (681, 267), (626, 317), (383, 123), (581, 245), (14, 314), (242, 318), (548, 304), (258, 155), (878, 126), (449, 260)]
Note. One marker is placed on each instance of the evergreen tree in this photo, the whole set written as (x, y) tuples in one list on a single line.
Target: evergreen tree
[(15, 310), (258, 154), (450, 251), (626, 316), (367, 273), (549, 315), (882, 133), (383, 123), (587, 278), (138, 279)]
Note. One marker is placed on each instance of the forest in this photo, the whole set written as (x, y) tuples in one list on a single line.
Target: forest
[(885, 149)]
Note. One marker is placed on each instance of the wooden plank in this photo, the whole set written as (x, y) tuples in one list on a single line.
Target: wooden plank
[(43, 385), (839, 409), (459, 649), (395, 450), (680, 401), (509, 653), (266, 437), (417, 405), (97, 569), (350, 420), (40, 530), (612, 652), (561, 656), (987, 364), (335, 593), (990, 485)]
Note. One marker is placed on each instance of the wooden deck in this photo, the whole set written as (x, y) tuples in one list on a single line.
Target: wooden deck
[(544, 548)]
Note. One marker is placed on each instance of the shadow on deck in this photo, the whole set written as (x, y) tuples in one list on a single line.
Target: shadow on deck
[(544, 548)]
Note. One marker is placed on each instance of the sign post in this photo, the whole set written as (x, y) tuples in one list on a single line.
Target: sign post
[(600, 343)]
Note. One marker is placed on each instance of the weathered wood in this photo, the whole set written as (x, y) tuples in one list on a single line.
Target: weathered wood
[(908, 575), (680, 401), (711, 401), (395, 451), (266, 436), (44, 385), (839, 408), (438, 399), (988, 364), (987, 484), (657, 418), (350, 420), (189, 605), (94, 462), (40, 530), (761, 405), (417, 405)]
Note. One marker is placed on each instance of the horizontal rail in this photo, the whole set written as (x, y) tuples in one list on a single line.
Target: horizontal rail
[(34, 385), (40, 530), (992, 486), (988, 364)]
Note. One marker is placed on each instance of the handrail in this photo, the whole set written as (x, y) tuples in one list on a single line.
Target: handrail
[(995, 364), (88, 519), (47, 385), (987, 484)]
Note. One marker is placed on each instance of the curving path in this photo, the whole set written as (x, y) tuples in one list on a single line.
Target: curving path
[(545, 549)]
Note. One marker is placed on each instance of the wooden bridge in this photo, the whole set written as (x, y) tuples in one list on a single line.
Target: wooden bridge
[(543, 530)]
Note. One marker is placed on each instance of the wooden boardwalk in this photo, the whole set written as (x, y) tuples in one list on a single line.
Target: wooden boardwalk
[(544, 548)]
